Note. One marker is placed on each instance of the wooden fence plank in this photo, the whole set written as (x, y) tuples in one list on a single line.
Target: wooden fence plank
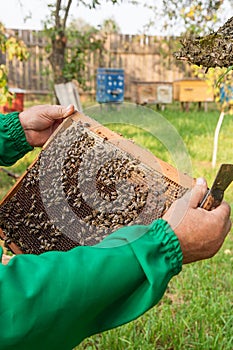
[(141, 57)]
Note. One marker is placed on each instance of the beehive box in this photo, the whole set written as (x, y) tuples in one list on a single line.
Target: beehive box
[(110, 85), (153, 92), (86, 183), (192, 90), (17, 103)]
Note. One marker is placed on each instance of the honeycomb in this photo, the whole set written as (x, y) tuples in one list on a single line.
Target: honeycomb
[(86, 183)]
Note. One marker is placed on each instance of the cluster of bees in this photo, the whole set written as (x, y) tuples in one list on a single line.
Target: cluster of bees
[(213, 50), (82, 188)]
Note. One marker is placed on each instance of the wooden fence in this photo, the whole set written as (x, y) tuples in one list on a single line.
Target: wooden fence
[(143, 58)]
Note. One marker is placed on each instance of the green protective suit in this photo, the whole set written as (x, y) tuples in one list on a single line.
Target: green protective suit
[(56, 299)]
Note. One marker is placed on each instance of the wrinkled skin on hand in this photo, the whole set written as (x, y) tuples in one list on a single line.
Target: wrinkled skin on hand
[(201, 233), (39, 122)]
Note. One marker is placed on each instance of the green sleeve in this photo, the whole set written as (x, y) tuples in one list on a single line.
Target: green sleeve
[(13, 143), (56, 299)]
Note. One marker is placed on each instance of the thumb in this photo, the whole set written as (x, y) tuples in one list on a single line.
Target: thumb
[(56, 112), (198, 192), (190, 200), (68, 111)]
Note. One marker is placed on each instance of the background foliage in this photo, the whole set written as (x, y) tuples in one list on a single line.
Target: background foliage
[(11, 47)]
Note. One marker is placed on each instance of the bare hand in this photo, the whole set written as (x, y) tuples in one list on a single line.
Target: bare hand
[(201, 233), (6, 259), (39, 122)]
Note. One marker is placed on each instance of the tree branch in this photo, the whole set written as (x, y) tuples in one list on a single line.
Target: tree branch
[(66, 13), (57, 17)]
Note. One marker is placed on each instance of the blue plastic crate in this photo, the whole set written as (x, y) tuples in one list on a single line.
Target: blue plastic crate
[(110, 85)]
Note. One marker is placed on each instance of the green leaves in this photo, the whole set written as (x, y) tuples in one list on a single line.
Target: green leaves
[(187, 16), (13, 48), (82, 46), (69, 63), (223, 75)]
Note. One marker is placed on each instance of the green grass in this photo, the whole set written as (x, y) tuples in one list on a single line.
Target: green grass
[(17, 169), (196, 311)]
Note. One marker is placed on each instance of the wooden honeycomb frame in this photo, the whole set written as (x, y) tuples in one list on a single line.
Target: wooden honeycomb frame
[(24, 209)]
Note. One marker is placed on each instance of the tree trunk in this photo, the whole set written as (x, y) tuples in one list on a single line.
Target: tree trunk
[(57, 57)]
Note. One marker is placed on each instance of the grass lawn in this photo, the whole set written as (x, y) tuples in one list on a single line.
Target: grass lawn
[(196, 311)]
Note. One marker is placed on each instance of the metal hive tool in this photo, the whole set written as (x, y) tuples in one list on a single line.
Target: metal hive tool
[(87, 182)]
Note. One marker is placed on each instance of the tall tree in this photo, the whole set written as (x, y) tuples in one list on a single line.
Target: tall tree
[(56, 29)]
